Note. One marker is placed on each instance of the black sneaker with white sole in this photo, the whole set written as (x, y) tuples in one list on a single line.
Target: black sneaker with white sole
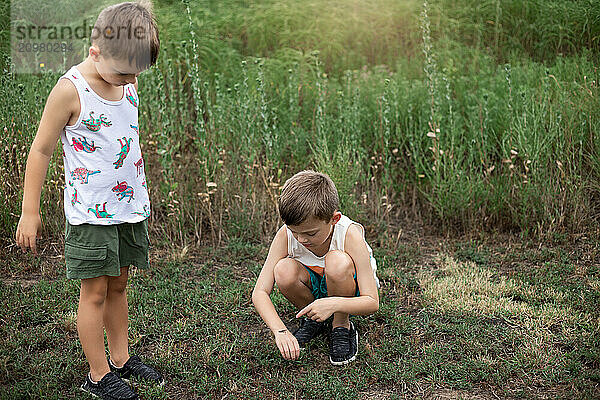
[(134, 367), (308, 330), (110, 387), (343, 345)]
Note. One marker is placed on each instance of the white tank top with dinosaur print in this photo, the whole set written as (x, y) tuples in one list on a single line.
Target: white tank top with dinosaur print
[(105, 181)]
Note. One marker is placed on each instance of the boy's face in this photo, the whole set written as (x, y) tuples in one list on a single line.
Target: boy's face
[(114, 71), (314, 232)]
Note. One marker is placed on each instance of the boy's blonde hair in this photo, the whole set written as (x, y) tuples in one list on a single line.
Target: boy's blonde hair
[(128, 31), (308, 194)]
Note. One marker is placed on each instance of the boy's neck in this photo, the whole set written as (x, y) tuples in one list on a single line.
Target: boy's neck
[(99, 85), (89, 72)]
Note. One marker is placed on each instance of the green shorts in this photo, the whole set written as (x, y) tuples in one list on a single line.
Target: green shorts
[(318, 284), (97, 250)]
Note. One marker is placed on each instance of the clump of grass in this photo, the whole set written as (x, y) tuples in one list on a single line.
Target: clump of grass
[(542, 318)]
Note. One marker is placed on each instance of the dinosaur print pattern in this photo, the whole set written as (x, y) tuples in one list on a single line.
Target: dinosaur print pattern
[(100, 213), (94, 124), (104, 170), (131, 98), (123, 190), (83, 174), (140, 166), (125, 147), (75, 198), (82, 144), (144, 214)]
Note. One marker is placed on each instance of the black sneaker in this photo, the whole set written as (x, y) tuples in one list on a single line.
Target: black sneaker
[(136, 368), (110, 387), (308, 330), (343, 345)]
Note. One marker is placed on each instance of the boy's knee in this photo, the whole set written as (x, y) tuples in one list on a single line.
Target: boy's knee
[(94, 294), (338, 265), (286, 272), (118, 284), (117, 287)]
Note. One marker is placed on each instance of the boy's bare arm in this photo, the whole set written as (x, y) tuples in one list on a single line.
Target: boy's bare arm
[(368, 301), (286, 342), (61, 104), (266, 281)]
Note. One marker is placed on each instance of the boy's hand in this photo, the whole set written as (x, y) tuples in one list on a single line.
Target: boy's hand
[(319, 310), (287, 344), (28, 230)]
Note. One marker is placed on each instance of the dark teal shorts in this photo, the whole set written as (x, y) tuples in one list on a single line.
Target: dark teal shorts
[(318, 284), (98, 250)]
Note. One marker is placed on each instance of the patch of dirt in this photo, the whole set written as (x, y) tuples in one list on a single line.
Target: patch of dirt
[(422, 390), (451, 394)]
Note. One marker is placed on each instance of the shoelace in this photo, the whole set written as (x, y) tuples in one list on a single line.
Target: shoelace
[(140, 369), (340, 341), (308, 329), (115, 387)]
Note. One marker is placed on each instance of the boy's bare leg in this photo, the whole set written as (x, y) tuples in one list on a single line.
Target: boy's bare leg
[(293, 281), (339, 272), (90, 325), (116, 318)]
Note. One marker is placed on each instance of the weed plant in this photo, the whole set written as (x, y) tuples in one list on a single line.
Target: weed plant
[(467, 143)]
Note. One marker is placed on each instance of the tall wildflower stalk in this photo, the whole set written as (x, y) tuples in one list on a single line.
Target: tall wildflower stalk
[(431, 76), (497, 27), (388, 106), (193, 64), (266, 123), (430, 68)]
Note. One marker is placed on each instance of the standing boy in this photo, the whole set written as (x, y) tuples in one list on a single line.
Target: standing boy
[(321, 264), (94, 110)]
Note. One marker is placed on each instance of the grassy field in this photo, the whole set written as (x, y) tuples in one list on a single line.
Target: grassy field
[(471, 319), (463, 134)]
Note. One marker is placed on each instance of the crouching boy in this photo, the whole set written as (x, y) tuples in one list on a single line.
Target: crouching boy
[(321, 264)]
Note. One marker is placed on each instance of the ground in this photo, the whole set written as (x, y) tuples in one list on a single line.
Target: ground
[(488, 317)]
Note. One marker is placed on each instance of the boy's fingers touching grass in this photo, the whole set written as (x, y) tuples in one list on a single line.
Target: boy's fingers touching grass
[(32, 244), (305, 311), (288, 346)]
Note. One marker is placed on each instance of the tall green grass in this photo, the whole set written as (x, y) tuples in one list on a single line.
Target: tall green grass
[(540, 29), (444, 132)]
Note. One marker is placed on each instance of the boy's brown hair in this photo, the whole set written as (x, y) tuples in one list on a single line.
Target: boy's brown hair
[(128, 31), (308, 194)]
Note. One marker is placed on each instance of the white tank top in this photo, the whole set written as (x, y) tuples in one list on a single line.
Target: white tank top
[(105, 181), (317, 264)]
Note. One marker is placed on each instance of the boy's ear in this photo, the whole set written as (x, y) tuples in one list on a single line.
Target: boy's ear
[(94, 52), (336, 217)]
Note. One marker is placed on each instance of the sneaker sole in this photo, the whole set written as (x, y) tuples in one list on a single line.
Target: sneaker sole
[(88, 392), (97, 397), (344, 362)]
